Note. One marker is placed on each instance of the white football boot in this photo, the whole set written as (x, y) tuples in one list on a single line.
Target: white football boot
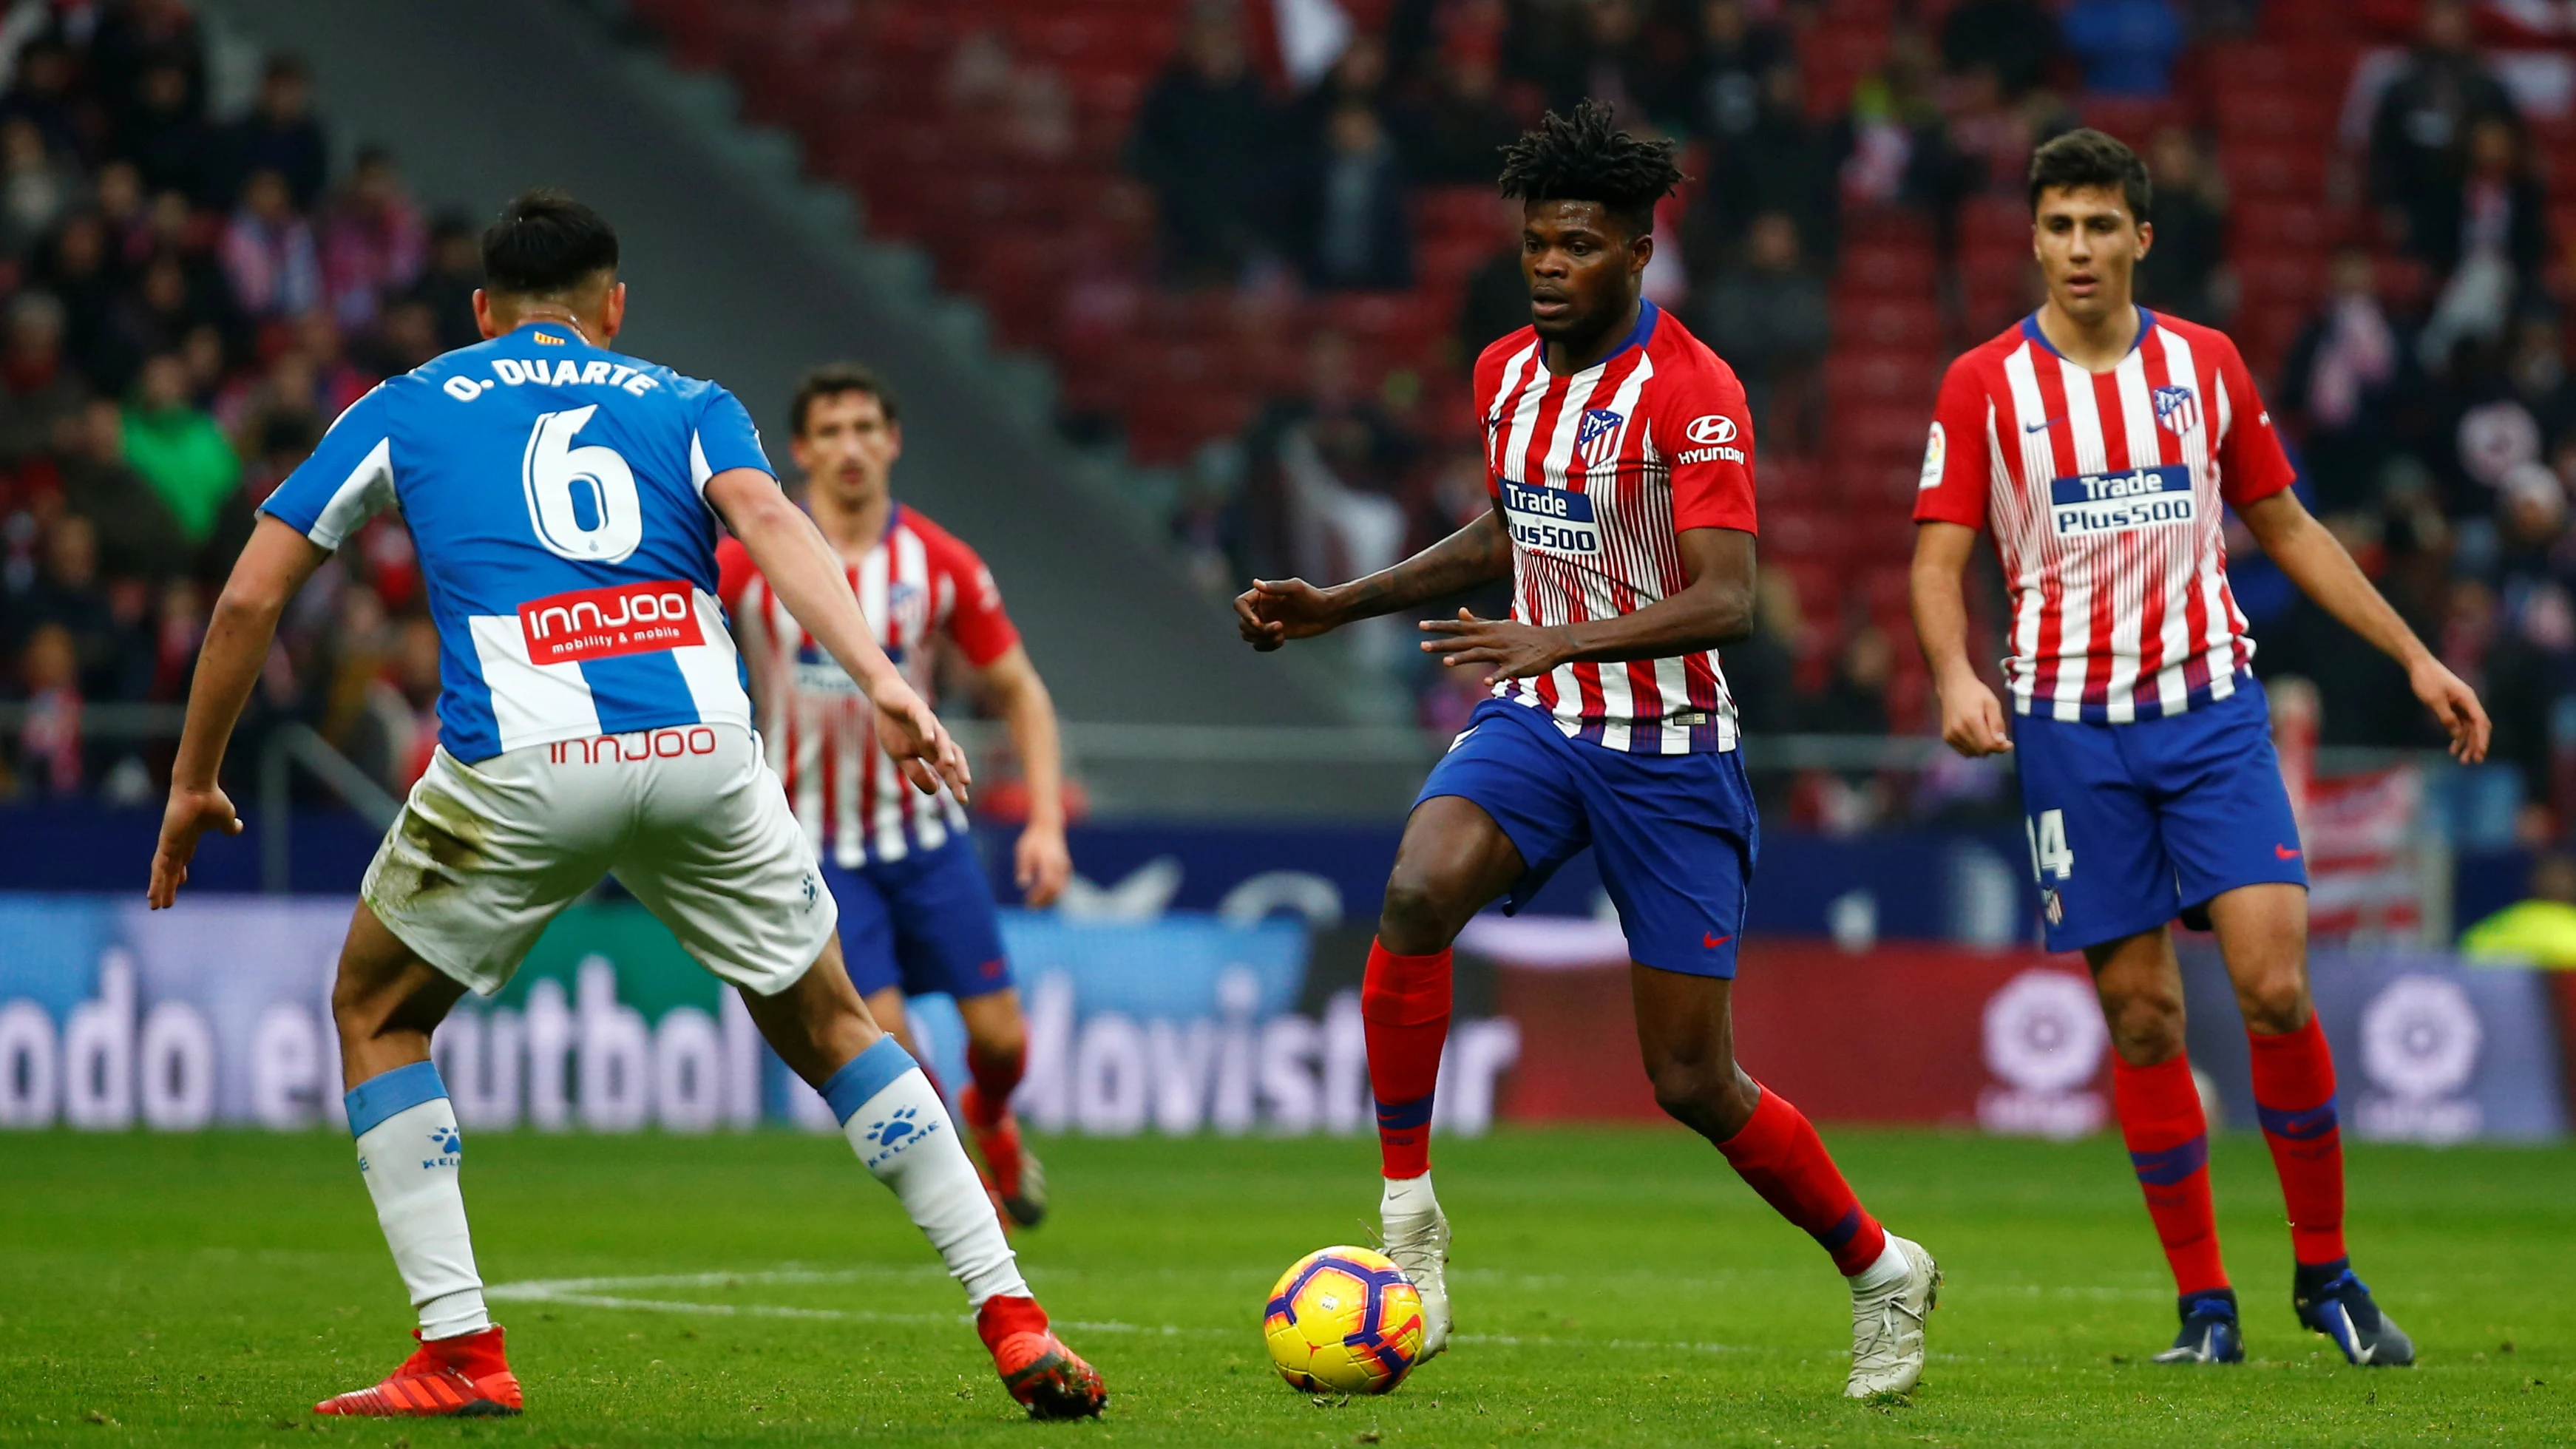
[(1887, 1326), (1417, 1238)]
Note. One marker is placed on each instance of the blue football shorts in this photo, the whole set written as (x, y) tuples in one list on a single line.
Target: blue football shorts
[(926, 923), (2130, 823), (1674, 835)]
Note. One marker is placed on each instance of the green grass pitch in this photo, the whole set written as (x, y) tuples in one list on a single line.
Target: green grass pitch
[(1612, 1287)]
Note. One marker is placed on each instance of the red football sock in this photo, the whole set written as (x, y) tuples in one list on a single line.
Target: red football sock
[(997, 1076), (1404, 1004), (1779, 1154), (2168, 1141), (2294, 1095)]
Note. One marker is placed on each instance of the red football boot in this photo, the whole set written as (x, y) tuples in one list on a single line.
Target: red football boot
[(1035, 1365), (465, 1377), (1013, 1171)]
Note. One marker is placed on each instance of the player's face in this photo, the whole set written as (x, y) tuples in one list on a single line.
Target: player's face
[(848, 446), (2088, 245), (1582, 267)]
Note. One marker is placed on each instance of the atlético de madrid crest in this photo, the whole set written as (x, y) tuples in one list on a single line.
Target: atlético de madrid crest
[(1596, 438), (2178, 408)]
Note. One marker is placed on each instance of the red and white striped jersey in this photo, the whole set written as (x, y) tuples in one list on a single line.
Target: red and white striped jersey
[(1597, 474), (918, 583), (2106, 494)]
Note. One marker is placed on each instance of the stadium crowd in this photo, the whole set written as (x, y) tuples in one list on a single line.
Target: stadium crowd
[(188, 299)]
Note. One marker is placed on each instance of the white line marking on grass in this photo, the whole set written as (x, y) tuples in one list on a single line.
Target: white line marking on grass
[(612, 1293)]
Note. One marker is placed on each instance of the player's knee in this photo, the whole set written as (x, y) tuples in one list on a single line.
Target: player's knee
[(1707, 1097), (2274, 1002), (2146, 1026), (1416, 918)]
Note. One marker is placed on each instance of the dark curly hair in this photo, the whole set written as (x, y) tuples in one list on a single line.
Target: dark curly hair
[(1586, 157)]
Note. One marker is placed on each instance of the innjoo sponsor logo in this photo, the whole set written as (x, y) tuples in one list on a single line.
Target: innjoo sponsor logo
[(604, 623)]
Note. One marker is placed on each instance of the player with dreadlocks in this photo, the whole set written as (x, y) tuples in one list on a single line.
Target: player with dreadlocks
[(1620, 459)]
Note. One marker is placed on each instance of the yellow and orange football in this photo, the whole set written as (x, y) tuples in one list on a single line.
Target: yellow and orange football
[(1344, 1320)]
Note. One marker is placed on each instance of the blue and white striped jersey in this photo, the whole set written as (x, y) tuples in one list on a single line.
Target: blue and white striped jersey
[(554, 494)]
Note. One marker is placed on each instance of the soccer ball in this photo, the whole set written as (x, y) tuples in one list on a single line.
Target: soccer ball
[(1344, 1320)]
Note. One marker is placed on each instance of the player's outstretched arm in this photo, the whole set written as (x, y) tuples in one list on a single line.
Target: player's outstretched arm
[(2317, 563), (808, 577), (1274, 611), (1040, 863), (1972, 719), (1714, 608), (273, 565)]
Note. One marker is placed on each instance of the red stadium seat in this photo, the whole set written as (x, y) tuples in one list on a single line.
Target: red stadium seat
[(1879, 269), (2136, 119), (2284, 169), (1912, 326)]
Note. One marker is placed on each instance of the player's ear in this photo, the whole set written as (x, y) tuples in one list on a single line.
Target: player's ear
[(612, 311), (1641, 249), (484, 321), (894, 441), (2146, 239)]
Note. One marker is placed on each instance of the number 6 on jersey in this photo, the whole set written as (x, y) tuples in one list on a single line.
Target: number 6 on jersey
[(2048, 853), (549, 471)]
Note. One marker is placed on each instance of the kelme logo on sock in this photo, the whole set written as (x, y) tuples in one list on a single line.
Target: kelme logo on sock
[(447, 1148), (897, 1131)]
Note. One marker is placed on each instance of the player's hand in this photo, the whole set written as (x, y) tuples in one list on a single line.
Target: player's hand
[(1041, 865), (1972, 719), (2455, 705), (1514, 650), (190, 814), (1274, 611), (920, 745)]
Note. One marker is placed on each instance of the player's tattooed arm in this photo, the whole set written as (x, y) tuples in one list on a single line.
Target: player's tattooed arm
[(2316, 561), (272, 568), (1274, 611), (1972, 718), (1714, 608)]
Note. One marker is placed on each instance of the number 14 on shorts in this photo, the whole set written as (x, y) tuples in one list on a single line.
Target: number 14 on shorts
[(2048, 853)]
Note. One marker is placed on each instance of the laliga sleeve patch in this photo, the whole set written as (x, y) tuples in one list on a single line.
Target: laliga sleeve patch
[(1935, 453)]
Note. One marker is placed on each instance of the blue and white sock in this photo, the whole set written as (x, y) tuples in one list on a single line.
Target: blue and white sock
[(409, 1152), (901, 1131)]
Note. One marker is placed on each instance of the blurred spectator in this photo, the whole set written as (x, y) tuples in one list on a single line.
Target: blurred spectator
[(406, 336), (165, 134), (2341, 384), (2537, 931), (1854, 699), (49, 745), (1900, 146), (67, 592), (178, 450), (36, 186), (1322, 466), (161, 310), (1204, 141), (1731, 65), (269, 253), (2493, 219), (126, 213), (280, 134), (338, 380), (2126, 47), (2421, 127), (1762, 670), (137, 533), (40, 92), (1782, 161), (447, 284), (38, 393), (2015, 39), (1497, 301), (134, 38), (1617, 59), (1455, 134), (73, 265), (1357, 76), (373, 242), (1771, 319), (2181, 273), (1360, 232), (1992, 131)]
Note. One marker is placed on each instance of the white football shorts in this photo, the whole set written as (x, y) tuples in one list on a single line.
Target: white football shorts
[(689, 819)]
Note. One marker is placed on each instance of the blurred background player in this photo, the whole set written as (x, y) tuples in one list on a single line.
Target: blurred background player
[(2148, 776), (1620, 460), (916, 914), (564, 501)]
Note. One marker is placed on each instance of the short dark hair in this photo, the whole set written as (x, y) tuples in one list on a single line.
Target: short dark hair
[(831, 380), (545, 243), (2084, 159), (1584, 156)]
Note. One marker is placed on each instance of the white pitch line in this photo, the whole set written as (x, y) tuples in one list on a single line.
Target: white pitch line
[(601, 1293)]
